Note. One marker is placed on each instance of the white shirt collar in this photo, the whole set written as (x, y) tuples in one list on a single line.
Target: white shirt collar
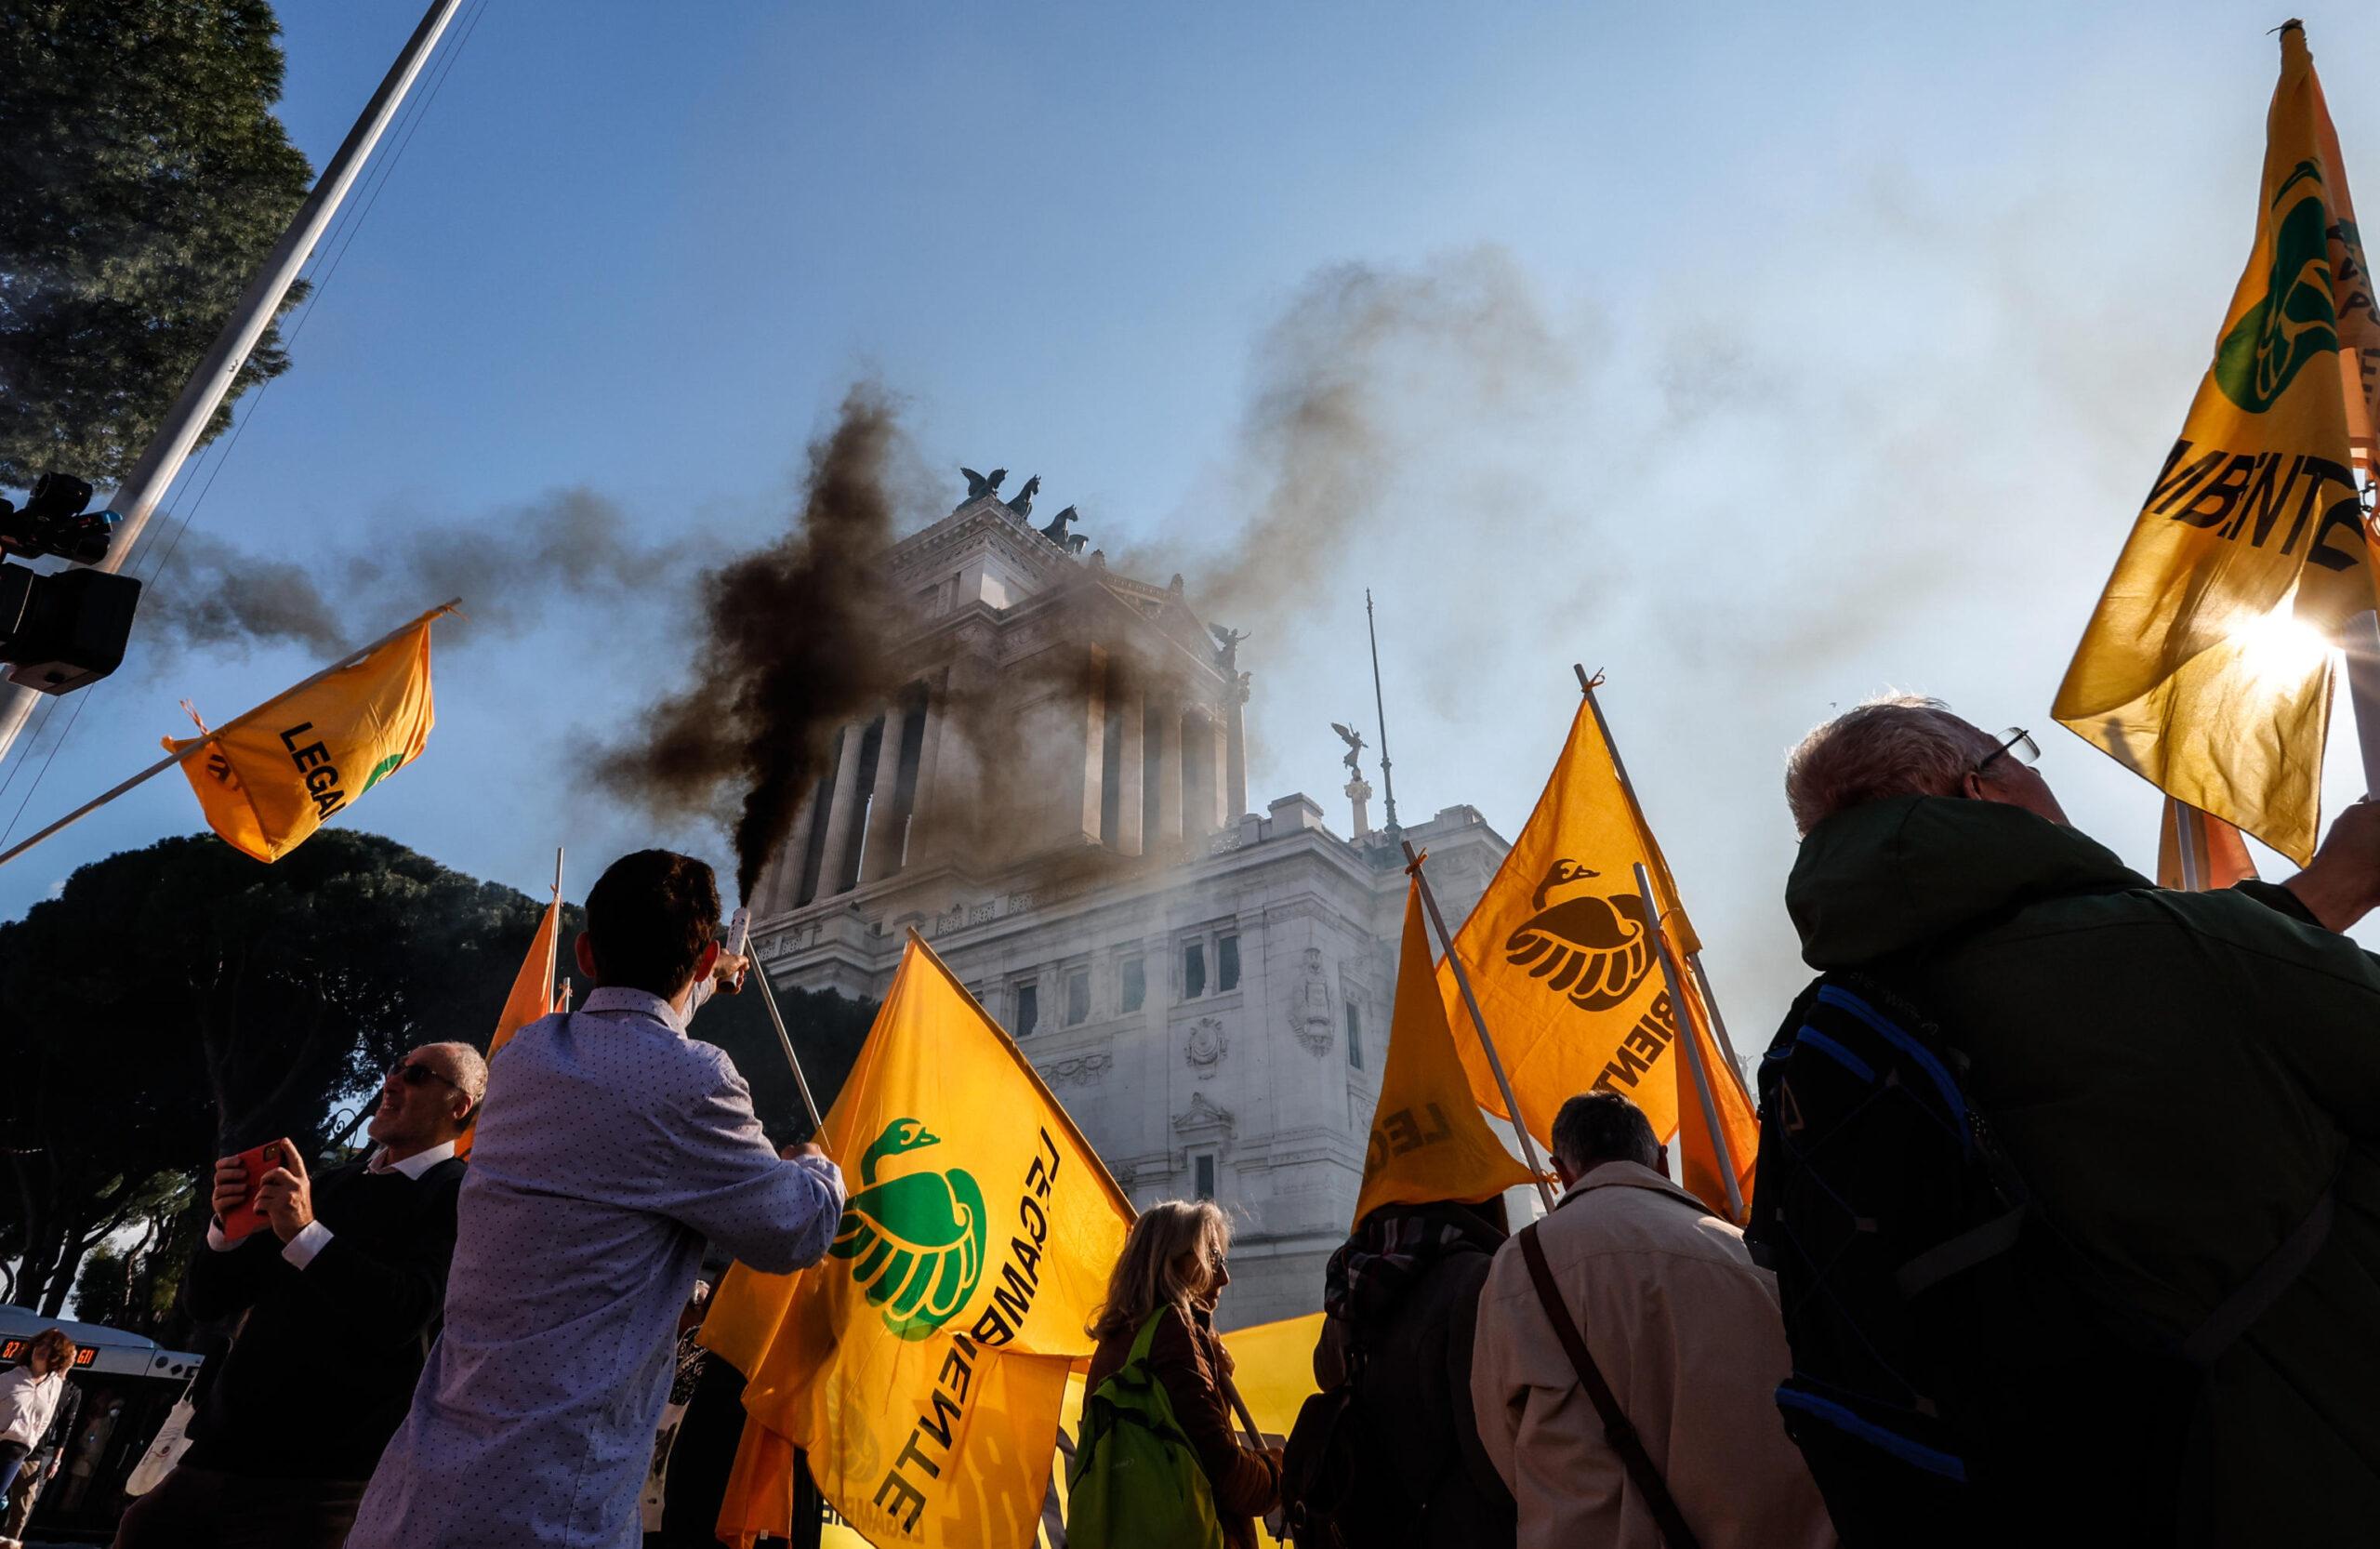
[(412, 1166), (641, 1002)]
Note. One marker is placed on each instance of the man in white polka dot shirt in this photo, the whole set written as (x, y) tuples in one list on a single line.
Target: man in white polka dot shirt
[(611, 1148)]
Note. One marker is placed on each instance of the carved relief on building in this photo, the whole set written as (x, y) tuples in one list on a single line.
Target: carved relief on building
[(1310, 1017), (1088, 1070), (1207, 1046)]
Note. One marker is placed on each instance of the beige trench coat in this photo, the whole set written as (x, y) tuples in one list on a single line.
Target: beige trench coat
[(1685, 1328)]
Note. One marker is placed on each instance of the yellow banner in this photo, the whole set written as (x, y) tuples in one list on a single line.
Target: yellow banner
[(1561, 954), (270, 778), (923, 1365), (2206, 669), (532, 997), (1428, 1140)]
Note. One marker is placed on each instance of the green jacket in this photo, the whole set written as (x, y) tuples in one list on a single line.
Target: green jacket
[(2179, 1076)]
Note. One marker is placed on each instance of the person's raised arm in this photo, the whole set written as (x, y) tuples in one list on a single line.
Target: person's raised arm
[(225, 1278), (718, 1174), (2342, 883)]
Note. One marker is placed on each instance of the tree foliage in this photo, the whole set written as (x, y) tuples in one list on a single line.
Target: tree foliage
[(143, 179), (180, 1002)]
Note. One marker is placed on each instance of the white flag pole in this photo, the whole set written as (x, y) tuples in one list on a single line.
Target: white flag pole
[(1692, 1045), (2361, 638)]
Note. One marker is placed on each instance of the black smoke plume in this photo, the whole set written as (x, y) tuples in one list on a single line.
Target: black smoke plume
[(798, 639)]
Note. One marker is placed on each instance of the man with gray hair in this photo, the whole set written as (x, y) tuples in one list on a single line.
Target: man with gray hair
[(2184, 1088), (1683, 1329), (342, 1292)]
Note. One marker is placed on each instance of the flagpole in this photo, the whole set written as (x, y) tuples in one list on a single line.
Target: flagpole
[(2361, 637), (553, 943), (87, 808), (1693, 1044), (2186, 850), (1463, 980), (777, 1020), (1636, 810)]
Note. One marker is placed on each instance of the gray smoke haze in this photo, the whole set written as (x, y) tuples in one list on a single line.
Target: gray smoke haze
[(509, 567)]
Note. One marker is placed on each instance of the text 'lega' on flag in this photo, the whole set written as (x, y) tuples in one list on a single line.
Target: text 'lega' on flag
[(1561, 956), (2206, 667), (269, 779), (923, 1364), (1428, 1141)]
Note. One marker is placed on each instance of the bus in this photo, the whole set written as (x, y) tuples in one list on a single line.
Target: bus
[(130, 1385)]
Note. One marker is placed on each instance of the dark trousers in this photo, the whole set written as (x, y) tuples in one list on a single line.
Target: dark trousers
[(201, 1508)]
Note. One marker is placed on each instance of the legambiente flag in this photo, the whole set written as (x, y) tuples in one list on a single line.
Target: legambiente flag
[(1428, 1141), (1561, 955), (270, 778), (533, 997), (923, 1364), (2207, 667)]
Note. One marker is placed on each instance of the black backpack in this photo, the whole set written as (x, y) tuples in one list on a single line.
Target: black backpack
[(1949, 1383)]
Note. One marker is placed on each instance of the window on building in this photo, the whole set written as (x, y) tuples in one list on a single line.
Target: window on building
[(1354, 1035), (1077, 996), (1226, 964), (1134, 988), (1028, 1009), (1202, 1175), (1193, 969)]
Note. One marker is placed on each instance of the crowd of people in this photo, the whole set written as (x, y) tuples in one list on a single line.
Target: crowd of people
[(2103, 1161)]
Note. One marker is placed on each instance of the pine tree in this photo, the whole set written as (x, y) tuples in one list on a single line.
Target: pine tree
[(143, 179)]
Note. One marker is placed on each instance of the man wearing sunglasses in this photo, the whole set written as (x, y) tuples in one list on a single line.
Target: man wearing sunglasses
[(342, 1292), (2186, 1086)]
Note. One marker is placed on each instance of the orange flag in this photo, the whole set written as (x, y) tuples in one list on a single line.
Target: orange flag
[(532, 997), (1428, 1140), (1561, 954), (2221, 854)]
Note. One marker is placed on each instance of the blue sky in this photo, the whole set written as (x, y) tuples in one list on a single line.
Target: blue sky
[(1823, 352)]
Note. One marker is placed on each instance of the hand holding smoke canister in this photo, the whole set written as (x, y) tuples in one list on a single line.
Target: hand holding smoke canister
[(733, 959)]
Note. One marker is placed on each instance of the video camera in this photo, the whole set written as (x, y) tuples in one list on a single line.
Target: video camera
[(67, 629)]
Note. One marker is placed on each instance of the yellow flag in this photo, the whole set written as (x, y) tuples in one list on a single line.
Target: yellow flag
[(1428, 1140), (923, 1365), (2206, 669), (532, 997), (1561, 954), (1273, 1369), (270, 778)]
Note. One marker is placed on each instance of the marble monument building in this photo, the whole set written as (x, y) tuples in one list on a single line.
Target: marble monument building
[(1057, 799)]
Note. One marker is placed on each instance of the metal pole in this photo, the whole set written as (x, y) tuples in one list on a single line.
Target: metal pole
[(1637, 811), (1379, 715), (1692, 1045), (777, 1020), (95, 804), (135, 499), (2361, 637), (2186, 850), (1462, 981)]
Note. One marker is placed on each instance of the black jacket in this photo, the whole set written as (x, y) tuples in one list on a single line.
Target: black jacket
[(321, 1373)]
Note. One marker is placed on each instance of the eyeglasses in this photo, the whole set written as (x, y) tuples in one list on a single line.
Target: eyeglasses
[(2015, 743), (413, 1073)]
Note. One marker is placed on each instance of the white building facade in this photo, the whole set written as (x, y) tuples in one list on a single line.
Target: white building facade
[(1056, 800)]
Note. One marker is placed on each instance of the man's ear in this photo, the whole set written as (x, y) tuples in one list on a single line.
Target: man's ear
[(1661, 1161), (584, 950), (705, 963)]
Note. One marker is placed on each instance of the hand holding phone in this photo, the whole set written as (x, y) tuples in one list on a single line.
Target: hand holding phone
[(738, 945), (237, 1179)]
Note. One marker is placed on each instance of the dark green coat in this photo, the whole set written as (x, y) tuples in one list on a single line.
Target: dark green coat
[(2179, 1076)]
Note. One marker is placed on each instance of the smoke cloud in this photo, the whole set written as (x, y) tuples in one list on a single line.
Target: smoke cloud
[(798, 638)]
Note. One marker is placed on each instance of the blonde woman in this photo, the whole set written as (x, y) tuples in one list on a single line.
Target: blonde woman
[(1172, 1271)]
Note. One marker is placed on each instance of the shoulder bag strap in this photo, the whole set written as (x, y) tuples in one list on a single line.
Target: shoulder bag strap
[(1616, 1428)]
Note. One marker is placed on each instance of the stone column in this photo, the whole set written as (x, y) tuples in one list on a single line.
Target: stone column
[(882, 855), (959, 794), (1084, 725), (925, 817), (842, 820), (1359, 792), (782, 881), (1236, 749), (1169, 782), (1130, 767), (1218, 783)]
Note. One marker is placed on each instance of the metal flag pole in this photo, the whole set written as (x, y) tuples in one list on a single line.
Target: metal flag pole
[(553, 946), (1692, 1045), (135, 500), (96, 802), (1379, 715), (2361, 638), (2186, 838), (1636, 810), (1463, 980), (785, 1039)]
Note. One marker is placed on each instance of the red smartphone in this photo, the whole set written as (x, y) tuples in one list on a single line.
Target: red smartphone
[(245, 1218)]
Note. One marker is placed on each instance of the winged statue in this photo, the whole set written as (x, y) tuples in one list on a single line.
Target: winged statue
[(1592, 946), (1354, 741), (1022, 505), (1057, 532), (980, 485), (916, 1241)]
